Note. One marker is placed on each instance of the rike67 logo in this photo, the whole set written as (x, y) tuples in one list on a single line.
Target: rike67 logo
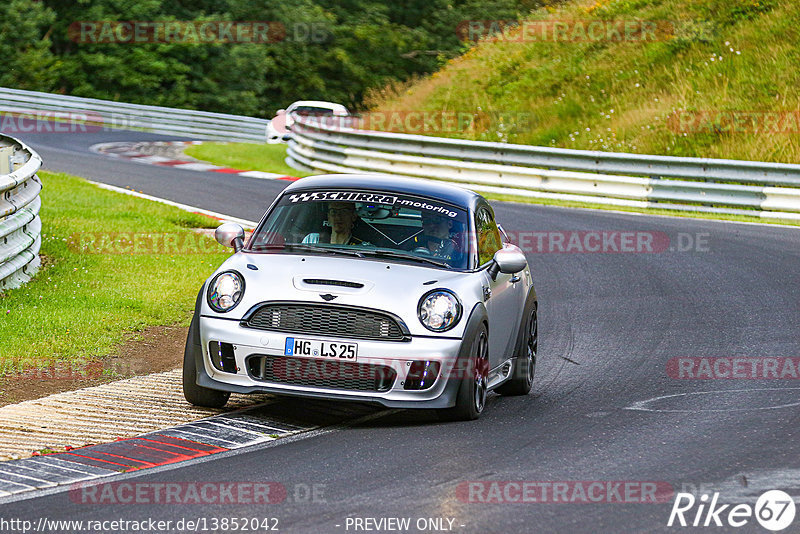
[(774, 510)]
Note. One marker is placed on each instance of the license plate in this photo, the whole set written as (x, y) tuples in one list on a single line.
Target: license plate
[(313, 348)]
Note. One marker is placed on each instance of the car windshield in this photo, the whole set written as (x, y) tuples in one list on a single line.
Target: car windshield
[(312, 111), (366, 224)]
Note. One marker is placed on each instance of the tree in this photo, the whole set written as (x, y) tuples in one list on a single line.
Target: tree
[(28, 62)]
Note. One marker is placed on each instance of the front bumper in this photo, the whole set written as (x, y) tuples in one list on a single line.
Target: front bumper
[(399, 356)]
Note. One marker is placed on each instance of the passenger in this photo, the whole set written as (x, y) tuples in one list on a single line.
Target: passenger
[(342, 219)]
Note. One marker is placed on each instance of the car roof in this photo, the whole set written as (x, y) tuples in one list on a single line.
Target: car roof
[(396, 184), (315, 104)]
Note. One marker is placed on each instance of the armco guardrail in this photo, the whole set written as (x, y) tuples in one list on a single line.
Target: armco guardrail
[(20, 226), (119, 115), (769, 190)]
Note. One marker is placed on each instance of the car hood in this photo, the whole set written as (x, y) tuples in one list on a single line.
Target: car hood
[(388, 286)]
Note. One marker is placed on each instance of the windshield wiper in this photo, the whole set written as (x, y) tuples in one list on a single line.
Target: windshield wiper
[(309, 248), (406, 256), (338, 250), (349, 252)]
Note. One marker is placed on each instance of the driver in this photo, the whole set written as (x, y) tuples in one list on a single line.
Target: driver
[(435, 237), (342, 219)]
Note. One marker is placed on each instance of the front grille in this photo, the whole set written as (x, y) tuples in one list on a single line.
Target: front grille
[(333, 374), (320, 319), (326, 282)]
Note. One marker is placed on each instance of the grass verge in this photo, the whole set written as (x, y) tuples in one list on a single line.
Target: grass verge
[(94, 285), (246, 156)]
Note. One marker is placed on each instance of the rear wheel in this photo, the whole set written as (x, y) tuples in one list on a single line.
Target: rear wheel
[(194, 394), (525, 365), (471, 397)]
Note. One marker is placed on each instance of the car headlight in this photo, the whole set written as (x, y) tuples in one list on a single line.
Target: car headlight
[(439, 310), (225, 291)]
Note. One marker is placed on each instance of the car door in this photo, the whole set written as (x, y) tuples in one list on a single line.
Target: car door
[(501, 294)]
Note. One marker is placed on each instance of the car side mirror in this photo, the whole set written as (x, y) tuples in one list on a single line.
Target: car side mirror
[(508, 260), (230, 235)]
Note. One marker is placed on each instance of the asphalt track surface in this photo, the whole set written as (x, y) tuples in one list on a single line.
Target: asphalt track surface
[(609, 324)]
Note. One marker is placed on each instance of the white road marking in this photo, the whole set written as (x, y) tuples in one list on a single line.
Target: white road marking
[(152, 159), (46, 483), (58, 463), (643, 405), (185, 207), (195, 166), (261, 174), (746, 486), (220, 423)]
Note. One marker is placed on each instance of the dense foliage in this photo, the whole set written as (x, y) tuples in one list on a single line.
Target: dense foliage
[(330, 49), (719, 81)]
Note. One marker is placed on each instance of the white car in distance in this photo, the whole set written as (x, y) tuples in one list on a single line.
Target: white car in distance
[(279, 127)]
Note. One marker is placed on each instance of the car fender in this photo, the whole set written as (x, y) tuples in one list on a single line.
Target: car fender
[(477, 317), (530, 302), (193, 339)]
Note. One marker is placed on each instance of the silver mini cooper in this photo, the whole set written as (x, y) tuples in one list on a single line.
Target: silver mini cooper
[(380, 289)]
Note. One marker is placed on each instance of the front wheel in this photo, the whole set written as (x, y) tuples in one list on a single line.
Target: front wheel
[(471, 397), (525, 365), (194, 394)]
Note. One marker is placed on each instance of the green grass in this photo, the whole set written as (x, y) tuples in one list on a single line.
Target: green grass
[(80, 305), (718, 55), (246, 156)]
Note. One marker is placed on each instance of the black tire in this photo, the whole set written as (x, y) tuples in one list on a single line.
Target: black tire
[(194, 394), (472, 373), (525, 363)]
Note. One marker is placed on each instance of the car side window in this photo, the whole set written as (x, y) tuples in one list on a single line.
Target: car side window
[(489, 240)]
